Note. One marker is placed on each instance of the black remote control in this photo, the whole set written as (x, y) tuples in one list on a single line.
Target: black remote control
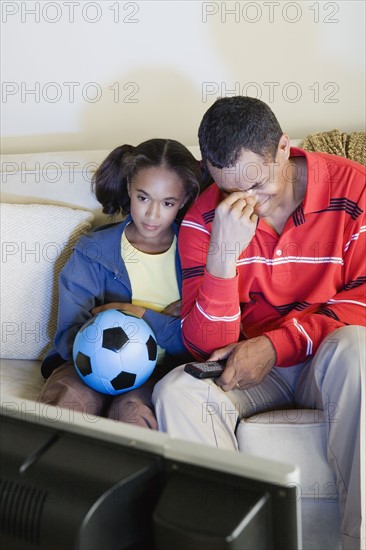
[(209, 369)]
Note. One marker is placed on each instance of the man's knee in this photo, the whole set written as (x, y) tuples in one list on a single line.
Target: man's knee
[(354, 335), (341, 358), (348, 344)]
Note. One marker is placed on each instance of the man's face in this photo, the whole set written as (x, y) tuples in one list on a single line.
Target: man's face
[(265, 179)]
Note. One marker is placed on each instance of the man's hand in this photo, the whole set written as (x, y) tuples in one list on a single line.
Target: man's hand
[(248, 363), (233, 228), (138, 311)]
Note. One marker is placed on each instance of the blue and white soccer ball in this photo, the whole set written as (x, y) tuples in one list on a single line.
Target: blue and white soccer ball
[(115, 352)]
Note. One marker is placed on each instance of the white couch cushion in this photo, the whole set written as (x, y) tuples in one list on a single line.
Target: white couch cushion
[(36, 240), (296, 437), (62, 178)]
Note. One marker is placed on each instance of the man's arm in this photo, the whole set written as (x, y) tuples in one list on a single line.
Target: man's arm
[(210, 297), (233, 228)]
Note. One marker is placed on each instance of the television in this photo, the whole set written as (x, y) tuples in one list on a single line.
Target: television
[(76, 481)]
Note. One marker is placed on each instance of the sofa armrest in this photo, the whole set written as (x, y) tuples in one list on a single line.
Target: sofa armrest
[(20, 378)]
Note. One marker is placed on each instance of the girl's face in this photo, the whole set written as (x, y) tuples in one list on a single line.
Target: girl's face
[(156, 196)]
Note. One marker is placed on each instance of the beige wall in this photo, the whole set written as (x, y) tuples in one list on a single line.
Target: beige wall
[(93, 75)]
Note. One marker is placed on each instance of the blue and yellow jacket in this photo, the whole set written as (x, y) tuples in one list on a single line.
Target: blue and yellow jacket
[(95, 275)]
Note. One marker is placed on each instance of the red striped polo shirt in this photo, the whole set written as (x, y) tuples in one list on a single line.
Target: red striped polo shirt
[(296, 287)]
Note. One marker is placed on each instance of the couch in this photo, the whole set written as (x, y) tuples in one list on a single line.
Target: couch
[(46, 205)]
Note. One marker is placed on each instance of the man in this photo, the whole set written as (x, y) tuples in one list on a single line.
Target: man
[(273, 257)]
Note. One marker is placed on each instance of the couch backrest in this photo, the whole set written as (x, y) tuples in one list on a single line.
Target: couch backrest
[(61, 178)]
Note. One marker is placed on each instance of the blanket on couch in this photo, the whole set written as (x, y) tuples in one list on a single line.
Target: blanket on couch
[(335, 142)]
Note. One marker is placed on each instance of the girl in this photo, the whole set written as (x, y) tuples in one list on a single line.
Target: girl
[(132, 265)]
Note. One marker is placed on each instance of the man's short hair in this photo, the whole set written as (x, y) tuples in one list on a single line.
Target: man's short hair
[(235, 123)]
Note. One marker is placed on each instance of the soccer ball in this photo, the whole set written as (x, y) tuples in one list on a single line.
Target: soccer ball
[(115, 352)]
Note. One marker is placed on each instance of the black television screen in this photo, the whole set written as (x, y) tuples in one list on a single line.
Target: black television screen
[(84, 483)]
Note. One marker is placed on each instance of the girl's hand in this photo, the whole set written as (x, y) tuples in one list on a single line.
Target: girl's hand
[(173, 309), (138, 311), (233, 228)]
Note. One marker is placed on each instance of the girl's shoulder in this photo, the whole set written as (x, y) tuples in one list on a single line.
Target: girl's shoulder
[(102, 238), (104, 230), (107, 231)]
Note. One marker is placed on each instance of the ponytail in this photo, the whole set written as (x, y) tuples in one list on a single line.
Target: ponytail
[(109, 182)]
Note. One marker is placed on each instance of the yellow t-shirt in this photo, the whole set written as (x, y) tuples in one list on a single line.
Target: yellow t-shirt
[(153, 277)]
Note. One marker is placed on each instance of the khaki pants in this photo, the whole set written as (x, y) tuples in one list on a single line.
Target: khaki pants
[(333, 380)]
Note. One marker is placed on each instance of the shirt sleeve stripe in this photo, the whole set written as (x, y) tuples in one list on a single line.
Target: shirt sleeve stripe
[(190, 272), (196, 349), (225, 319), (300, 328), (355, 283), (193, 225), (329, 313), (346, 302)]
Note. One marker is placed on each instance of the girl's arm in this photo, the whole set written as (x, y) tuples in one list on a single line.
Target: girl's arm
[(167, 330), (138, 311), (172, 309), (166, 326), (80, 288)]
